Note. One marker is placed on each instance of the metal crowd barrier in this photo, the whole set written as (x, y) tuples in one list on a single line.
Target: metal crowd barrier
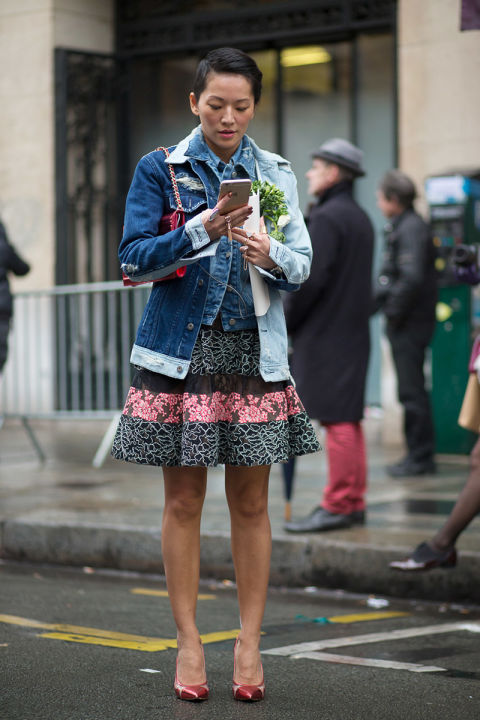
[(69, 349)]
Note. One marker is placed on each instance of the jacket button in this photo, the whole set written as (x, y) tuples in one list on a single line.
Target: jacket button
[(227, 254), (190, 326), (200, 282), (232, 321), (179, 369)]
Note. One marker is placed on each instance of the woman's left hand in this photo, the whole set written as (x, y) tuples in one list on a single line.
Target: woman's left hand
[(255, 247)]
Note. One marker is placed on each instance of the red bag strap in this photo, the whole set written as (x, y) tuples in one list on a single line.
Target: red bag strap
[(178, 200)]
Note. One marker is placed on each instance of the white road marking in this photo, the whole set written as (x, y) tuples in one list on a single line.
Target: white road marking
[(372, 638), (311, 650), (368, 662), (149, 670)]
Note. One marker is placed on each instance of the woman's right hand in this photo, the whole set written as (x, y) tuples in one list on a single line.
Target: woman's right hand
[(218, 226)]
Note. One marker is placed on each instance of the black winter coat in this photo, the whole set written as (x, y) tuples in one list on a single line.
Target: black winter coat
[(407, 286), (328, 318), (10, 261)]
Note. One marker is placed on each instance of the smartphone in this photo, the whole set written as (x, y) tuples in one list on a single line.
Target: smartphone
[(240, 190)]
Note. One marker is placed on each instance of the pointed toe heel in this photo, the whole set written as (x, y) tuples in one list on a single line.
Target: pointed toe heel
[(248, 693), (424, 558), (193, 693), (243, 692)]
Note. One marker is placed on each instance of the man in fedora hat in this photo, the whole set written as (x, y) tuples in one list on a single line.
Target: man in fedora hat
[(328, 322)]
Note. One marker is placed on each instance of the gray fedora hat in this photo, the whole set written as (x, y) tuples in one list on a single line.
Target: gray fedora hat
[(343, 153)]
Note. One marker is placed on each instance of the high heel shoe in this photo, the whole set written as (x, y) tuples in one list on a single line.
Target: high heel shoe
[(425, 557), (193, 693), (247, 693)]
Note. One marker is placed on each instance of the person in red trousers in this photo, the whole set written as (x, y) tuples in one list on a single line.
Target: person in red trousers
[(328, 324)]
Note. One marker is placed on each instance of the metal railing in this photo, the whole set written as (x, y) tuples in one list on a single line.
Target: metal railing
[(69, 350)]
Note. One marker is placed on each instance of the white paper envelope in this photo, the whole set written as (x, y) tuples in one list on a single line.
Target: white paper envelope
[(261, 296)]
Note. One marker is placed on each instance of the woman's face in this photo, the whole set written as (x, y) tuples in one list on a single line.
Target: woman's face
[(225, 108)]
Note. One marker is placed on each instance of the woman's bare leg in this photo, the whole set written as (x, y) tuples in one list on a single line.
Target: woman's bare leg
[(184, 496), (466, 507), (247, 496)]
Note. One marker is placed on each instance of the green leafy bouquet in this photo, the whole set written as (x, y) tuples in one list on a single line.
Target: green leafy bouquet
[(273, 207)]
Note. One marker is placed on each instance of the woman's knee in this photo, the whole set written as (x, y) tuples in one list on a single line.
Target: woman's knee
[(184, 507), (250, 505), (184, 496)]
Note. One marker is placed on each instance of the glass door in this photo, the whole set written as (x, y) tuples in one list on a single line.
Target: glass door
[(316, 91)]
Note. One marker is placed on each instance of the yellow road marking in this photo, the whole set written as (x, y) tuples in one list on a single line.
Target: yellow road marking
[(164, 593), (148, 645), (128, 641), (108, 638), (361, 617)]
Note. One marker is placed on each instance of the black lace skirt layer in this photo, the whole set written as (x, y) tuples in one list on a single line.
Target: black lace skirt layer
[(222, 412)]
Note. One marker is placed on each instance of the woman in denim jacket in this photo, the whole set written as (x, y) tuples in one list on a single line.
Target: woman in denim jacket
[(212, 384)]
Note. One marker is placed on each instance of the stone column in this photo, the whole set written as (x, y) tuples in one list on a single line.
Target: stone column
[(29, 32)]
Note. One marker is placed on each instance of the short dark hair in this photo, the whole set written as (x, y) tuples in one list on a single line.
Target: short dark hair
[(228, 60), (395, 185)]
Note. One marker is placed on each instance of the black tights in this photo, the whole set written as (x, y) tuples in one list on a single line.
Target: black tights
[(466, 507)]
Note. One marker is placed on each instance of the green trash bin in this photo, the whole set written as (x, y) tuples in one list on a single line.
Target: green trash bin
[(451, 347), (454, 201)]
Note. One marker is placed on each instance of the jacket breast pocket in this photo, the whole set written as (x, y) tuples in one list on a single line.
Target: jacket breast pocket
[(193, 203)]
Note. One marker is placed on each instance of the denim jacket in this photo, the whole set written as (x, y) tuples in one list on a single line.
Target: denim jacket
[(175, 310)]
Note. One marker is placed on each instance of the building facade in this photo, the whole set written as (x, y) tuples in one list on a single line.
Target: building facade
[(88, 87)]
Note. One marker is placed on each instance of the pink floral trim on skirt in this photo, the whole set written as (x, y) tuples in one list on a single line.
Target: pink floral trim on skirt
[(218, 407)]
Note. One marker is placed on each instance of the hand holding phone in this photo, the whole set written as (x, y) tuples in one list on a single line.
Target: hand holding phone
[(240, 193)]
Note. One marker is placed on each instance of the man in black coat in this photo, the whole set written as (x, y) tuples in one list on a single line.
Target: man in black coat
[(407, 294), (10, 261), (328, 322)]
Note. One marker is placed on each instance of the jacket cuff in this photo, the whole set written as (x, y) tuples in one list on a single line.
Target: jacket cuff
[(196, 233)]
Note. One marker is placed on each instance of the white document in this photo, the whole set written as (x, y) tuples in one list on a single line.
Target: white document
[(261, 296)]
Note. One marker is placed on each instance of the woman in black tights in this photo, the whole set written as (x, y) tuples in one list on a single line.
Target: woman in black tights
[(440, 550)]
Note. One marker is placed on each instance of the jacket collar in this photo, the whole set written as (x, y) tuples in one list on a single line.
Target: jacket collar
[(265, 158), (394, 222), (342, 187)]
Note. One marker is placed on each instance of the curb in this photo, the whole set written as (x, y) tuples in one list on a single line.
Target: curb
[(296, 562)]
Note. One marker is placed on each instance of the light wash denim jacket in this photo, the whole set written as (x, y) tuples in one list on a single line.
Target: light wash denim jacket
[(175, 310)]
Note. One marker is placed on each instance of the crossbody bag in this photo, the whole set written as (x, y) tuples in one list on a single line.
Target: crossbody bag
[(168, 222)]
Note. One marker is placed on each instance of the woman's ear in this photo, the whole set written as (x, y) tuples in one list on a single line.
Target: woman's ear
[(193, 104)]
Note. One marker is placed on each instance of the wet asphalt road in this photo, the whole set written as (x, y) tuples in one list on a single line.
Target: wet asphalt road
[(77, 645)]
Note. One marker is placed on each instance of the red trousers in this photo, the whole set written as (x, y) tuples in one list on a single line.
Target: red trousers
[(347, 475)]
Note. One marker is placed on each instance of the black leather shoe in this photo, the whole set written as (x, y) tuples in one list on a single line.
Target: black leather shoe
[(320, 520), (411, 468), (358, 517), (424, 557)]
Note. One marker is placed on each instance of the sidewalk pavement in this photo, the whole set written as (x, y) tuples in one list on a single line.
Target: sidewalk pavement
[(67, 512)]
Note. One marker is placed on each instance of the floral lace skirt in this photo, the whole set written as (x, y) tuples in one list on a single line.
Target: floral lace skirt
[(222, 412)]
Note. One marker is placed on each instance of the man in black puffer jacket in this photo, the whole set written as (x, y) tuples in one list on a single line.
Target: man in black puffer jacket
[(10, 261), (407, 294)]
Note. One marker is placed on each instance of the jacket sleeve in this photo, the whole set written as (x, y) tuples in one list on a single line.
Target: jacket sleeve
[(13, 262), (412, 256), (143, 253), (325, 241), (294, 256)]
